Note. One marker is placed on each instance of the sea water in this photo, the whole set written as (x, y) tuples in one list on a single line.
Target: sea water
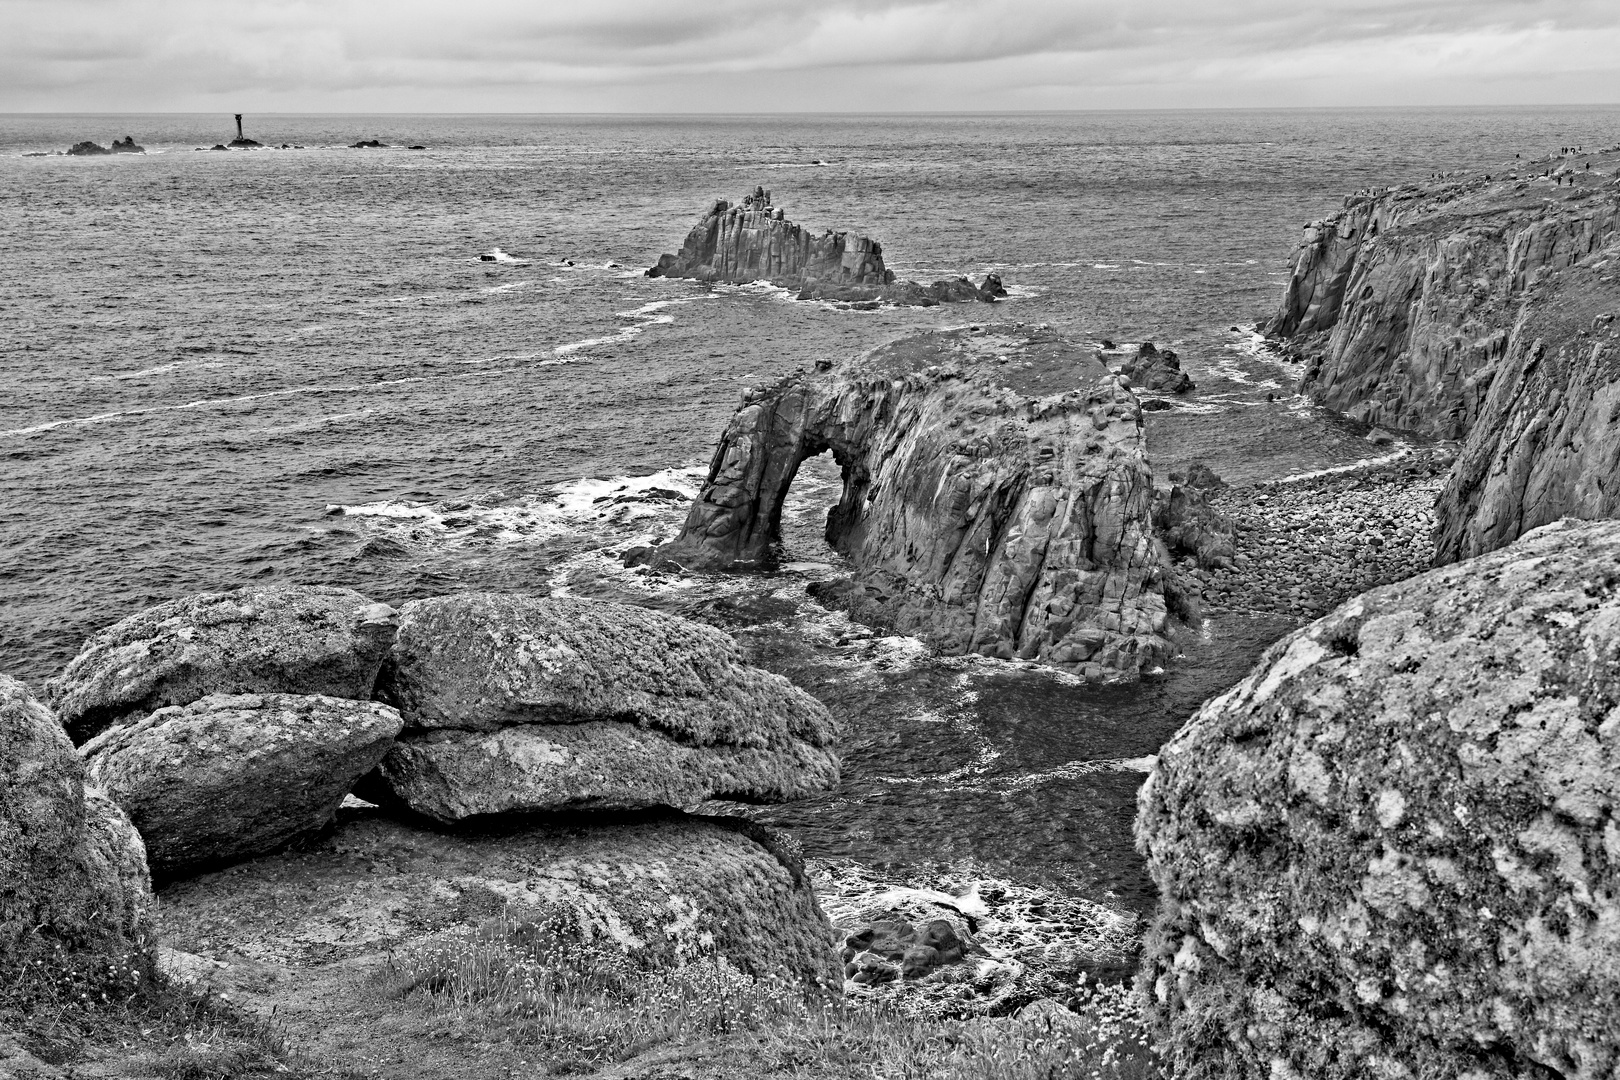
[(247, 367)]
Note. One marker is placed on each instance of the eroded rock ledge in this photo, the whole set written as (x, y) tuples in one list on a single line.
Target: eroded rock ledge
[(1481, 310), (753, 241), (996, 497)]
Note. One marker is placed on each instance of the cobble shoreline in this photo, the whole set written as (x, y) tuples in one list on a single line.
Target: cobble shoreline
[(1306, 546)]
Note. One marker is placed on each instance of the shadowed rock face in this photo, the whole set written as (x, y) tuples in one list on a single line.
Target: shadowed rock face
[(996, 497), (754, 241), (232, 776), (1396, 843), (1547, 444), (1403, 303), (72, 868)]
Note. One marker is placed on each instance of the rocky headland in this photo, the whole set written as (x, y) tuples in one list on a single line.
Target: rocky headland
[(997, 497), (1483, 310), (754, 241)]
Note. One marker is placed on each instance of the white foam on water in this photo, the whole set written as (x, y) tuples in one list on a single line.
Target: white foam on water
[(499, 256), (510, 286), (617, 510), (648, 314), (1401, 450), (217, 403)]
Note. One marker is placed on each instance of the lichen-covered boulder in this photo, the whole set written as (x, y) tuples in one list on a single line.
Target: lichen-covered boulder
[(72, 870), (521, 703), (662, 887), (231, 776), (1394, 849), (300, 639), (450, 775)]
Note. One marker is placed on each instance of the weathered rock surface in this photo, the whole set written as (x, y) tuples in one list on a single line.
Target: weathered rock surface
[(660, 886), (1189, 525), (1403, 304), (1394, 849), (997, 498), (542, 703), (451, 775), (754, 241), (231, 776), (1547, 444), (72, 869), (127, 145), (306, 639), (1156, 369)]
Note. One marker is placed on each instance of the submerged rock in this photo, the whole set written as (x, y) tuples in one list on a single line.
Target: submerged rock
[(658, 888), (520, 703), (72, 869), (997, 497), (1395, 846), (300, 639), (231, 776), (1157, 370), (754, 241)]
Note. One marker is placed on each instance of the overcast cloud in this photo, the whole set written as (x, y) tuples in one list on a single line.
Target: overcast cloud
[(792, 55)]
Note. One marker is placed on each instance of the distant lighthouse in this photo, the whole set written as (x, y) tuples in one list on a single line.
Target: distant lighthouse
[(241, 139)]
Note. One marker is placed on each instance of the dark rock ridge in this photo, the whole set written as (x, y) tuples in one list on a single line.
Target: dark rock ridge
[(996, 497), (73, 876), (1474, 310), (520, 703), (231, 776), (301, 639), (87, 149), (754, 241), (1394, 848), (1158, 370)]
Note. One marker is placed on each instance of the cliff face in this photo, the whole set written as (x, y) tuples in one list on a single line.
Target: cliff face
[(1402, 305), (1548, 441), (996, 497), (753, 241)]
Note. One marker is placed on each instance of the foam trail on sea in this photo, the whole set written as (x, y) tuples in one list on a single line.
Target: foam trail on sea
[(1401, 450), (650, 314), (208, 403)]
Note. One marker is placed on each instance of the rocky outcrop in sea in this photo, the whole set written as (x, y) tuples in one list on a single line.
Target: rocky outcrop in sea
[(1395, 847), (997, 497), (754, 241), (1480, 310)]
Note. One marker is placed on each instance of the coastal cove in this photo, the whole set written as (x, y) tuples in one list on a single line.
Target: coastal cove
[(414, 373)]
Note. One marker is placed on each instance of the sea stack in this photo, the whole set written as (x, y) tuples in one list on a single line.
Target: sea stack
[(997, 498), (753, 240)]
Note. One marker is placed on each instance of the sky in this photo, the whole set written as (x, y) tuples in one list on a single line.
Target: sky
[(799, 55)]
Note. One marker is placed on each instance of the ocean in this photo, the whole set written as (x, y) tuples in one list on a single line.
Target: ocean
[(294, 365)]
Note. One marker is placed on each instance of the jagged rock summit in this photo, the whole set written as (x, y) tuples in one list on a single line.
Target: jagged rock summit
[(996, 497), (1483, 310), (753, 241), (1394, 848)]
